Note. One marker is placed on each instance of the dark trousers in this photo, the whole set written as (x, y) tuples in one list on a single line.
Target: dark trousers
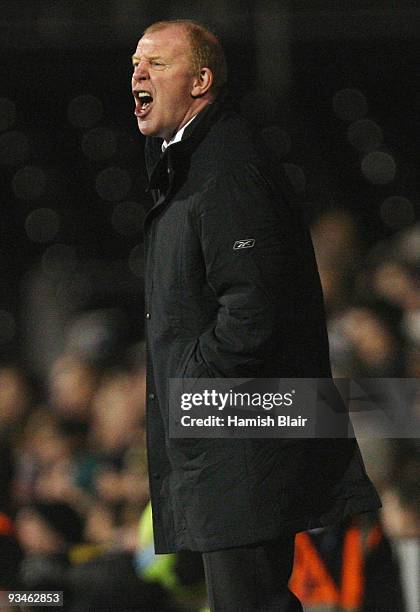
[(251, 578)]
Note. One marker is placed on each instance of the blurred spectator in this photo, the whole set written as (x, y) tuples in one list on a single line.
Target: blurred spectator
[(363, 345), (337, 249), (99, 337), (347, 567), (46, 532), (72, 385), (48, 527), (115, 414), (401, 496), (394, 283), (15, 399), (15, 402), (47, 462), (10, 555), (15, 395)]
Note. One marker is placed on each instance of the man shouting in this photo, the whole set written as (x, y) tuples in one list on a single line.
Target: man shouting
[(232, 291)]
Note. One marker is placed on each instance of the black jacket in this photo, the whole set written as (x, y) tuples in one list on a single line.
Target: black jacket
[(213, 310)]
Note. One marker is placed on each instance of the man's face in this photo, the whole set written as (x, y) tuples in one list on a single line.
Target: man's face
[(162, 82)]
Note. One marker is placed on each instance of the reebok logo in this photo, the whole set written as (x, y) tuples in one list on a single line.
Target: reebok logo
[(246, 243)]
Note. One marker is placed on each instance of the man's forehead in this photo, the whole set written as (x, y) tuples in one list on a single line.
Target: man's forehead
[(172, 39)]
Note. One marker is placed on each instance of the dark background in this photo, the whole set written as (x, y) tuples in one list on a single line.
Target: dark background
[(72, 174)]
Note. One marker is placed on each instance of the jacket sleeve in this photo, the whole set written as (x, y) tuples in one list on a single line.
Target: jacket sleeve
[(252, 245)]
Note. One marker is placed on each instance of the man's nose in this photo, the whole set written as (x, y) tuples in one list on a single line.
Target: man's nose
[(141, 71)]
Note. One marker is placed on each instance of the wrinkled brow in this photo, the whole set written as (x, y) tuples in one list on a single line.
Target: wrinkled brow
[(150, 57)]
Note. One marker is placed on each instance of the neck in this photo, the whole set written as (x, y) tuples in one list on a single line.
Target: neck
[(199, 105)]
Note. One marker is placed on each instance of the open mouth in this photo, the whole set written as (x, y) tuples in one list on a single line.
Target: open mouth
[(143, 102)]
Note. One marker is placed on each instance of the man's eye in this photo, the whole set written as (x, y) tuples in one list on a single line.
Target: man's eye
[(152, 63)]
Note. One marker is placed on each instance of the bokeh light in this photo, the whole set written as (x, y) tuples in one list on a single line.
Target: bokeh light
[(7, 326), (42, 225), (136, 260), (113, 184), (277, 139), (99, 143), (365, 135), (397, 211), (379, 167), (350, 104), (85, 111), (7, 114), (29, 183), (14, 148), (127, 218), (296, 177), (59, 258)]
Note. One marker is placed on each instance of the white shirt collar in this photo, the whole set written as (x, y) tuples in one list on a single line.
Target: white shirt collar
[(178, 135)]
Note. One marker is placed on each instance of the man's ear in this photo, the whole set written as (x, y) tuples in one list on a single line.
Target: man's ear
[(202, 83)]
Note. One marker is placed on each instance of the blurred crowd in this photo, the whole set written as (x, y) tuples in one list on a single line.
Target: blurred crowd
[(73, 478), (73, 471)]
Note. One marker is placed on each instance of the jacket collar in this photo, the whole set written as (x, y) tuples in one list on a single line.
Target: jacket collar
[(198, 128), (158, 162)]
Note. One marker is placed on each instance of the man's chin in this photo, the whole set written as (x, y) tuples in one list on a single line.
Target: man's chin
[(146, 128)]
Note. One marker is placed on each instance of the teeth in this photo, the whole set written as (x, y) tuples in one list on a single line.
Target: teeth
[(145, 99)]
